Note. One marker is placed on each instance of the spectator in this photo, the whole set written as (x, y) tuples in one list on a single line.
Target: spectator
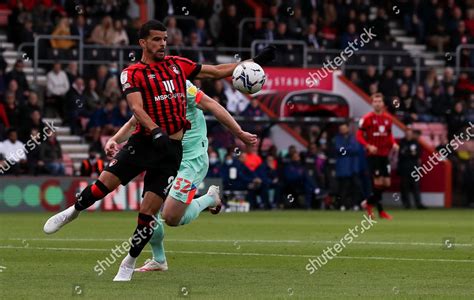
[(72, 72), (4, 122), (121, 115), (431, 80), (268, 171), (440, 103), (57, 86), (388, 86), (34, 121), (101, 120), (101, 77), (230, 21), (112, 90), (421, 105), (314, 162), (12, 110), (19, 76), (295, 178), (13, 152), (103, 33), (346, 151), (92, 166), (32, 156), (173, 31), (256, 185), (235, 175), (407, 106), (312, 38), (297, 24), (369, 78), (409, 79), (348, 36), (120, 37), (51, 156), (80, 28), (215, 165), (252, 160), (62, 29), (92, 97), (456, 120), (203, 38), (448, 78), (14, 89), (75, 105), (380, 25), (268, 33), (408, 159), (438, 37)]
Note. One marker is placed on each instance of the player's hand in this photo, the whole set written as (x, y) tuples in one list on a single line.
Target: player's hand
[(265, 56), (159, 139), (248, 138), (372, 149), (395, 147), (111, 148)]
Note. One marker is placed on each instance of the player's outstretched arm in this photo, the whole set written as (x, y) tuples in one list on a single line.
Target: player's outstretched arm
[(124, 133), (225, 70), (223, 116)]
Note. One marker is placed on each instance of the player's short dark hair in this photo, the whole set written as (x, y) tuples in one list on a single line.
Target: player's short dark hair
[(150, 25), (376, 95)]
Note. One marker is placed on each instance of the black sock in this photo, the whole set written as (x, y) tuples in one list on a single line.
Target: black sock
[(378, 198), (90, 195), (142, 234)]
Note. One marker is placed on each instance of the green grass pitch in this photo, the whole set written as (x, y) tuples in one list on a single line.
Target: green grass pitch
[(258, 255)]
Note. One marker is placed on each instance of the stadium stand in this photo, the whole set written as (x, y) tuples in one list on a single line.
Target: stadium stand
[(412, 61)]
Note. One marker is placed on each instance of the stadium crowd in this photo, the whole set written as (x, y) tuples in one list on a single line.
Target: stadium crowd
[(92, 106)]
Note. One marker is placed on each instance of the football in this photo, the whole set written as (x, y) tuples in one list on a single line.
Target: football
[(248, 77)]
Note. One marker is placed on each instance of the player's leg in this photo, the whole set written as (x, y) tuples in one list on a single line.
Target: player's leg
[(104, 184), (386, 182), (120, 171), (156, 185), (146, 224)]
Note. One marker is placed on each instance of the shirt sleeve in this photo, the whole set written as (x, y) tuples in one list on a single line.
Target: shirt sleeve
[(190, 68), (129, 81), (360, 132)]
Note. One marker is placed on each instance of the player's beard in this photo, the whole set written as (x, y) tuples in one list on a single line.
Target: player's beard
[(157, 55)]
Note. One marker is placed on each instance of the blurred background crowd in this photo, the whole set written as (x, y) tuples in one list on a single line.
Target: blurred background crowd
[(90, 104)]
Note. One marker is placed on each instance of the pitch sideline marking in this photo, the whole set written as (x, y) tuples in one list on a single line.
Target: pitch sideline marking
[(242, 241), (255, 254)]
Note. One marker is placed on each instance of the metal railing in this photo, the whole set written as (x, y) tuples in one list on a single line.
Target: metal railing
[(458, 58), (121, 55)]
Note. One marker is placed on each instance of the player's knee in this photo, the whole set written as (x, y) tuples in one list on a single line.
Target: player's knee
[(99, 190), (171, 220)]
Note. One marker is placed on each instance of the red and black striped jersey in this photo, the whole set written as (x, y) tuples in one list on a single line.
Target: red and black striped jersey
[(163, 89), (376, 129)]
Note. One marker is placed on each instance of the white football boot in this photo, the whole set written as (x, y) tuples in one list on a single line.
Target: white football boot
[(60, 219), (152, 265)]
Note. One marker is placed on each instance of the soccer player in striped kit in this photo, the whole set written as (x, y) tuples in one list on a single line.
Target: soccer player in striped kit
[(155, 89), (375, 134)]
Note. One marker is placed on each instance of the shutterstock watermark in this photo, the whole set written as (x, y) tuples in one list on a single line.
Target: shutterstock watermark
[(434, 158), (327, 255), (330, 66), (30, 145), (123, 248)]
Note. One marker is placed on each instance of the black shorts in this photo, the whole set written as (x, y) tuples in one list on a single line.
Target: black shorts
[(379, 166), (140, 155)]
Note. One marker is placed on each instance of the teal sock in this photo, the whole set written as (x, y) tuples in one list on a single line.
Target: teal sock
[(156, 241), (196, 206)]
